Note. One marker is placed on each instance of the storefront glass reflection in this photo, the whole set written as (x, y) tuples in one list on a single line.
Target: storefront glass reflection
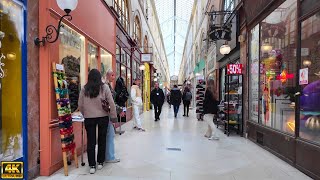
[(11, 37), (72, 56), (278, 67), (106, 62), (92, 57), (310, 79)]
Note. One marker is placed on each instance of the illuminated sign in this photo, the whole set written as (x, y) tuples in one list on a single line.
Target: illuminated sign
[(284, 76), (234, 69), (11, 170)]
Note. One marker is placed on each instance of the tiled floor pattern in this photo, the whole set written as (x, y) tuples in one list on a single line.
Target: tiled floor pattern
[(144, 155)]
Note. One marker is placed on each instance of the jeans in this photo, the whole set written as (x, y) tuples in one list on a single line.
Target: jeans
[(176, 109), (110, 143), (91, 128), (157, 111), (186, 106)]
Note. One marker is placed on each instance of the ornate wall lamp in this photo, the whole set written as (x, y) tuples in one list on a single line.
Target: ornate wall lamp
[(67, 6)]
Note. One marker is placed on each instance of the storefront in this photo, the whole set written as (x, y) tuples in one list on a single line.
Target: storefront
[(13, 82), (284, 81), (82, 45)]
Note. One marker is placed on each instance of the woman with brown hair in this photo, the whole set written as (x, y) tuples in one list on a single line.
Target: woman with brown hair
[(210, 109)]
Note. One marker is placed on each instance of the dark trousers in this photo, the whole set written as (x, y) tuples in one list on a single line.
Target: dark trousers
[(157, 111), (186, 106), (91, 127), (176, 109)]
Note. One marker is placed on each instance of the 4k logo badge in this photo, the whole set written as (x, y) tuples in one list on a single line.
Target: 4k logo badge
[(11, 170)]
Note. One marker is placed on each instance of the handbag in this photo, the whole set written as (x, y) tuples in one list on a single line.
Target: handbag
[(105, 104)]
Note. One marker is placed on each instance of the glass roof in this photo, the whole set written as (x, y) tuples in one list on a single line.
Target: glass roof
[(174, 16)]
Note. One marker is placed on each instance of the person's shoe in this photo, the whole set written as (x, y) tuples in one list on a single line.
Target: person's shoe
[(116, 160), (206, 136), (141, 129), (92, 169), (214, 138), (184, 115), (135, 127), (100, 166), (156, 120)]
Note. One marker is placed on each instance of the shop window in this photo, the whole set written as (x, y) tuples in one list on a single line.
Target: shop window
[(128, 61), (309, 79), (92, 57), (72, 56), (129, 85), (118, 69), (106, 62), (11, 39), (137, 30), (121, 7), (254, 74)]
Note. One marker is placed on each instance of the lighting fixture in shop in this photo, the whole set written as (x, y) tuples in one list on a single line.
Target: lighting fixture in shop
[(266, 47), (142, 67), (306, 63), (67, 6), (225, 49)]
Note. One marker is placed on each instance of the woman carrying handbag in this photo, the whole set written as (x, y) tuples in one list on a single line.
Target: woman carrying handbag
[(97, 106)]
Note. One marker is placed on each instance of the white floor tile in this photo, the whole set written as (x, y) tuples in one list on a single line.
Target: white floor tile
[(144, 155)]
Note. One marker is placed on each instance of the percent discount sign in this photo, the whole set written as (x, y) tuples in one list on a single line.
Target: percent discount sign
[(234, 69)]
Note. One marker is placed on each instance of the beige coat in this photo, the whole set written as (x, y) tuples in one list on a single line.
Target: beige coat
[(92, 107)]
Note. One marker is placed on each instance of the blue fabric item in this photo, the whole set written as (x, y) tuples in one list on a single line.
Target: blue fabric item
[(110, 143), (175, 109)]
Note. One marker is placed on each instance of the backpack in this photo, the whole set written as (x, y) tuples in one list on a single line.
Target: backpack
[(188, 96)]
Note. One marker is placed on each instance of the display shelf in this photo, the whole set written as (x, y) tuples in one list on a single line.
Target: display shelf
[(232, 109)]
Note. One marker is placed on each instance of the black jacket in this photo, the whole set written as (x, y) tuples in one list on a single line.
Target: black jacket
[(122, 94), (176, 96), (157, 96), (210, 105)]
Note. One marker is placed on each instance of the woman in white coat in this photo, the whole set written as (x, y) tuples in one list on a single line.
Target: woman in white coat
[(136, 99)]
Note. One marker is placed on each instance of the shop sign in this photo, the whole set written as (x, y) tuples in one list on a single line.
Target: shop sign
[(303, 76), (146, 57), (234, 69), (284, 76), (2, 64)]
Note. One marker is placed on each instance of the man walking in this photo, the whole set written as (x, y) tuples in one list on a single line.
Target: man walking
[(175, 99), (157, 99)]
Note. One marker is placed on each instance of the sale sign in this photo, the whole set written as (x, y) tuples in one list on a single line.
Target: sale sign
[(234, 69)]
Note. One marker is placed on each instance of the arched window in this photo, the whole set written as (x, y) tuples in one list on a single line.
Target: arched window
[(145, 44), (137, 30), (121, 6)]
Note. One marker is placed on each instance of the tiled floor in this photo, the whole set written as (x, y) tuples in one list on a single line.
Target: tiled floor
[(144, 155)]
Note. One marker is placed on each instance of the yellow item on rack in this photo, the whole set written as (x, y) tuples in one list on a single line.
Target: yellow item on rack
[(232, 122)]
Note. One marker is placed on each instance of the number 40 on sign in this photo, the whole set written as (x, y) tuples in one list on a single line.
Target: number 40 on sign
[(234, 69)]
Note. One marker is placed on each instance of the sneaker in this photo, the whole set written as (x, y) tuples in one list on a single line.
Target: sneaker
[(135, 127), (184, 115), (214, 138), (100, 166), (116, 160), (92, 169), (141, 129)]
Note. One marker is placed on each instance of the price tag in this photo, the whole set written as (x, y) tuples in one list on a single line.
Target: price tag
[(234, 69), (59, 67)]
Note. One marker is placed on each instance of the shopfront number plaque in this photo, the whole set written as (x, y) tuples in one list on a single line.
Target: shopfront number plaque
[(234, 69)]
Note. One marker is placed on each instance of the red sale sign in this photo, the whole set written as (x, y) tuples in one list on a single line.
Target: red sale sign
[(234, 69)]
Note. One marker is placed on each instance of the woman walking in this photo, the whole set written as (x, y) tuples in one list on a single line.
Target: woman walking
[(175, 99), (90, 105), (186, 97), (210, 109)]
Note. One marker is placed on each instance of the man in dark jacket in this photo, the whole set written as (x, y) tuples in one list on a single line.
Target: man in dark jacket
[(175, 99), (157, 99)]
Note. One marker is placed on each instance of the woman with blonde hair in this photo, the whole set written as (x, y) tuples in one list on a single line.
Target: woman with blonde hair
[(210, 109)]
